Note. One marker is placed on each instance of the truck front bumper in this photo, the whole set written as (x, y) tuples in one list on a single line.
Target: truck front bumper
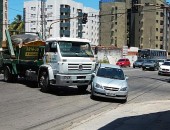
[(73, 80)]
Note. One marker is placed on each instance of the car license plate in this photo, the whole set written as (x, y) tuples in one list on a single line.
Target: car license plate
[(108, 93), (147, 67)]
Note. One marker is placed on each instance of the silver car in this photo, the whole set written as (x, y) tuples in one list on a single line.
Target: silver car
[(109, 81)]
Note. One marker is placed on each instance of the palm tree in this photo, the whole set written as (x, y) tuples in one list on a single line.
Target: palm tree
[(17, 25)]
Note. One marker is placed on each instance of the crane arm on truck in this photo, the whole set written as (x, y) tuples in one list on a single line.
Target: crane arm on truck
[(9, 42)]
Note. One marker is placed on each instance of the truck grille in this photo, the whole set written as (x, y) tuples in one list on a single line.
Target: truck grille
[(79, 66)]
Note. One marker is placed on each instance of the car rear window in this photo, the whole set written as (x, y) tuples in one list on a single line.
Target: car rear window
[(121, 60)]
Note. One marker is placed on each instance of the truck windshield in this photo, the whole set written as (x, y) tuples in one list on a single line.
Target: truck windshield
[(75, 49)]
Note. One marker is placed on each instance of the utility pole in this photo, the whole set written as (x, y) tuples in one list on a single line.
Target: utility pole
[(43, 19), (150, 41)]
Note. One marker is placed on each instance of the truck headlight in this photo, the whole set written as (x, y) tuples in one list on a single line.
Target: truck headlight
[(67, 77)]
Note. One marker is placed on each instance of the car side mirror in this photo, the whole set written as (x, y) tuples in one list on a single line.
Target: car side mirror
[(93, 75), (126, 77)]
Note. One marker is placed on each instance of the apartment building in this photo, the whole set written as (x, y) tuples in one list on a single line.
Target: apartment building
[(3, 19), (135, 23), (151, 27), (63, 18), (113, 23)]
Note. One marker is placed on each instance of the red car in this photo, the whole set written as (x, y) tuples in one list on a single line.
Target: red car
[(124, 62)]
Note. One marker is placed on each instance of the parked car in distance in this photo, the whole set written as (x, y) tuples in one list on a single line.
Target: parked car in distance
[(124, 62), (167, 59), (150, 64), (164, 69), (161, 61), (138, 63), (109, 81)]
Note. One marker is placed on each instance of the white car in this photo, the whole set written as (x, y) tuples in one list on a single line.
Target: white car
[(109, 81), (164, 69), (161, 61)]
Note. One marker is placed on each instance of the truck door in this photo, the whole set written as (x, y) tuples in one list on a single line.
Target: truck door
[(51, 55)]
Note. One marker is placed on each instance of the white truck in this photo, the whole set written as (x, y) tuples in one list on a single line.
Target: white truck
[(67, 62)]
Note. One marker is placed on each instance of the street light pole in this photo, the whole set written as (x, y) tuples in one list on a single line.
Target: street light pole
[(51, 25)]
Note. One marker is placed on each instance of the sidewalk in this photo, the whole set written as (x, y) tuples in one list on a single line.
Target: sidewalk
[(134, 116)]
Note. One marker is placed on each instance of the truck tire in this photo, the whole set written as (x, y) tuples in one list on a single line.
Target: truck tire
[(7, 74), (82, 88), (43, 81)]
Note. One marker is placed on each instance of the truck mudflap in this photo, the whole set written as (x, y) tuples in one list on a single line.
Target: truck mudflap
[(73, 80)]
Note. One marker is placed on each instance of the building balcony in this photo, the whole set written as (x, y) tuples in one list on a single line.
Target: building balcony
[(65, 10), (64, 16), (67, 24), (65, 32)]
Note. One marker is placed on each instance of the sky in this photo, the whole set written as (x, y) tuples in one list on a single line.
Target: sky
[(15, 7)]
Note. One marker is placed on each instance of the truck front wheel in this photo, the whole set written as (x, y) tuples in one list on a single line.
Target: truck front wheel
[(43, 81), (82, 88)]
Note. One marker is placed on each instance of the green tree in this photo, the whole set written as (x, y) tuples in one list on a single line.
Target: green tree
[(17, 25)]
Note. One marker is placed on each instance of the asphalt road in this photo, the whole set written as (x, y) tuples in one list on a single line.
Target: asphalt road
[(25, 107)]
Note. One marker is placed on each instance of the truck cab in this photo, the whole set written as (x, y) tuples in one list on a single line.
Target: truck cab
[(67, 62)]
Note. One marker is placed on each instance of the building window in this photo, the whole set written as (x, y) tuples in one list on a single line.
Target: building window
[(161, 22), (156, 37), (32, 29), (161, 30), (33, 8), (50, 14), (156, 29), (157, 21), (115, 16), (161, 38), (33, 22), (49, 6), (161, 14), (33, 15), (157, 13)]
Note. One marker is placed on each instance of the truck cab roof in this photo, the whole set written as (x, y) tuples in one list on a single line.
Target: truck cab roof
[(68, 39)]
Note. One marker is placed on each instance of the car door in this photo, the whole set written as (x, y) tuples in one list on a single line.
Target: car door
[(127, 62)]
